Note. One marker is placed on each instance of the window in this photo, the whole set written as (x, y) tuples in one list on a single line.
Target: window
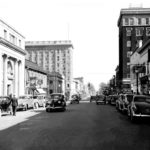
[(128, 75), (131, 21), (139, 31), (129, 53), (128, 43), (148, 31), (147, 21), (5, 34), (139, 21), (126, 21), (128, 31), (20, 43), (68, 85), (139, 43), (12, 38)]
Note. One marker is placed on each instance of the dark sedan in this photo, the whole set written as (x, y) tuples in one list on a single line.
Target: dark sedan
[(56, 102)]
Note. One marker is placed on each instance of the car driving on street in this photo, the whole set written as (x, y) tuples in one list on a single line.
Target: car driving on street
[(57, 101)]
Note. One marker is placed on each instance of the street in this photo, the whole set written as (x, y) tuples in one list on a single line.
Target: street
[(84, 126)]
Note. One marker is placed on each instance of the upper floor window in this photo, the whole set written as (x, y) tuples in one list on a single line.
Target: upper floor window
[(139, 31), (12, 38), (139, 21), (20, 43), (147, 21), (5, 34), (128, 31), (129, 53), (128, 43), (126, 20), (131, 21), (148, 31)]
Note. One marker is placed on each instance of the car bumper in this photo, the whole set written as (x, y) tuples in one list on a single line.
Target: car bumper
[(140, 115)]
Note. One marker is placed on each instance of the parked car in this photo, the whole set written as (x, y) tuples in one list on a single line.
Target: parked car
[(123, 101), (93, 98), (25, 102), (101, 99), (39, 101), (139, 107), (113, 99), (5, 105), (108, 98), (75, 99), (57, 101)]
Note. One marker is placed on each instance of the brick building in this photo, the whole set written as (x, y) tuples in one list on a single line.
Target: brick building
[(134, 31)]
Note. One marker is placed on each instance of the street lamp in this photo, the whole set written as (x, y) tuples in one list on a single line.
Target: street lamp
[(137, 76)]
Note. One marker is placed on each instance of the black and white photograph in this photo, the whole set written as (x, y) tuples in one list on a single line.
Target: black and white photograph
[(74, 75)]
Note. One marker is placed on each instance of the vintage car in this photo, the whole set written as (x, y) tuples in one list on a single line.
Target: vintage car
[(57, 101), (75, 99), (101, 99), (93, 98), (5, 105), (113, 99), (123, 101), (139, 107), (25, 102)]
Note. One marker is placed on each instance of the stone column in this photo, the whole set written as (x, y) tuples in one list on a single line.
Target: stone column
[(16, 77), (19, 78), (5, 57)]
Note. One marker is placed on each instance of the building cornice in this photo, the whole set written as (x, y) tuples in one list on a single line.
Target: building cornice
[(12, 46), (48, 43), (133, 11), (11, 28)]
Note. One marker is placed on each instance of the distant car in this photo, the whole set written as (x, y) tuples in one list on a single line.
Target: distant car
[(101, 99), (139, 107), (25, 102), (57, 101), (39, 101), (75, 99), (93, 98)]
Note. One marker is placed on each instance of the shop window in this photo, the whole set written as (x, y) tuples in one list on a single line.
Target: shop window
[(148, 31)]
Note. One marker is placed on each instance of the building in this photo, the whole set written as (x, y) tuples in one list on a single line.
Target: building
[(140, 69), (12, 60), (35, 79), (134, 31), (53, 56)]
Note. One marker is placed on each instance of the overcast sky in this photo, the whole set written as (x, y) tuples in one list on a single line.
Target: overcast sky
[(91, 25)]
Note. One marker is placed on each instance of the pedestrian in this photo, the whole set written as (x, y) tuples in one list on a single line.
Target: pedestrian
[(14, 105)]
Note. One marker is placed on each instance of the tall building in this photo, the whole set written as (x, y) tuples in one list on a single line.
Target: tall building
[(53, 56), (134, 31), (12, 60)]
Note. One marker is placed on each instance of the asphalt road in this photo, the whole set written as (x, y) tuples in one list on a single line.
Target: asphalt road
[(84, 126)]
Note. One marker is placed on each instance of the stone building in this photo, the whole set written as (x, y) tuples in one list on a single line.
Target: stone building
[(53, 56), (12, 60), (134, 31)]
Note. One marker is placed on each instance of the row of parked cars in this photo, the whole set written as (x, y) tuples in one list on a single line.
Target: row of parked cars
[(134, 106)]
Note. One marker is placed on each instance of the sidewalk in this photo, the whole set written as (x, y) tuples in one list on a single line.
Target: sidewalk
[(9, 120)]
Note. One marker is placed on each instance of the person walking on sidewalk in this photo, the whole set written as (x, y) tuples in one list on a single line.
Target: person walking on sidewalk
[(14, 105)]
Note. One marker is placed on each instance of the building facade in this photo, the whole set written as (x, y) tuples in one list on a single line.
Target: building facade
[(12, 60), (140, 70), (134, 31), (35, 79), (53, 56)]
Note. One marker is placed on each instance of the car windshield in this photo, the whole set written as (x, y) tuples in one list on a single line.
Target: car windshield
[(142, 99), (56, 96)]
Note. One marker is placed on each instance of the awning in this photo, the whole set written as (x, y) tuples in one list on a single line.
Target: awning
[(41, 91)]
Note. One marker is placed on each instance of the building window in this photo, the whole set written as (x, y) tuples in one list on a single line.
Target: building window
[(20, 43), (12, 38), (139, 21), (147, 21), (128, 31), (68, 85), (148, 31), (128, 75), (131, 21), (126, 21), (129, 53), (139, 43), (5, 34), (139, 31), (128, 43)]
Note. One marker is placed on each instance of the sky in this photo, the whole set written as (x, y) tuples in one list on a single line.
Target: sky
[(91, 25)]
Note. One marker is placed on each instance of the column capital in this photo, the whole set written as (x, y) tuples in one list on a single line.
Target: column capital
[(4, 55)]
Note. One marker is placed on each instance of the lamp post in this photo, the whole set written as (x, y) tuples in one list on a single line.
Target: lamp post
[(137, 84)]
